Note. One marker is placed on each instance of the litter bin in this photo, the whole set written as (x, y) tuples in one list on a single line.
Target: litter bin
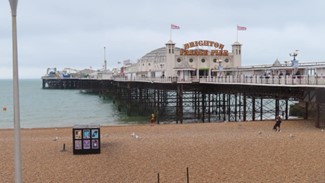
[(86, 139)]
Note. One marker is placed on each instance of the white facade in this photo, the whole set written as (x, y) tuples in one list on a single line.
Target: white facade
[(170, 61)]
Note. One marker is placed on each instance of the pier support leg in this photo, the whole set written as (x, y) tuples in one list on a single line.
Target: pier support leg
[(306, 111), (244, 108), (236, 107), (179, 110), (287, 110), (203, 107), (317, 124), (261, 109), (253, 109), (224, 106)]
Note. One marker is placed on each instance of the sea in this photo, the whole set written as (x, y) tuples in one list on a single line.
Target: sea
[(52, 108)]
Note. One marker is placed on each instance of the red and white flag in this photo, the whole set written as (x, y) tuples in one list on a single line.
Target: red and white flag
[(173, 26), (240, 28)]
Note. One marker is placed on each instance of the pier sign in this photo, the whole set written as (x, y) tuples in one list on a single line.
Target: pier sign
[(216, 49)]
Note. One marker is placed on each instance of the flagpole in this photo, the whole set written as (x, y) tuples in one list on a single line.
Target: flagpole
[(237, 33), (240, 28), (172, 26)]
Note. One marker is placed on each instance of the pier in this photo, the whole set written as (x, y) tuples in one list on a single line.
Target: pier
[(207, 99)]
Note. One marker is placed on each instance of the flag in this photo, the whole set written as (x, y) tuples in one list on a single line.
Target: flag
[(172, 26), (240, 28)]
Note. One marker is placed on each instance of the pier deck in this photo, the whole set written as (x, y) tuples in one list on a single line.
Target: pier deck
[(208, 99)]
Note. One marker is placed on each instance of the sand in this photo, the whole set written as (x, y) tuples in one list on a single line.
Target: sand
[(212, 152)]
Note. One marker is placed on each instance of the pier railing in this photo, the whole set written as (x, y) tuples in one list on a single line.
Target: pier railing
[(239, 79)]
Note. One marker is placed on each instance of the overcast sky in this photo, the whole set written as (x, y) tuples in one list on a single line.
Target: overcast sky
[(71, 33)]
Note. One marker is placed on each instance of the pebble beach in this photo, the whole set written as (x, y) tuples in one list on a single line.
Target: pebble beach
[(212, 152)]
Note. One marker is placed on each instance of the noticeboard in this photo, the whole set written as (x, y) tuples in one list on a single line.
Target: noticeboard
[(86, 139)]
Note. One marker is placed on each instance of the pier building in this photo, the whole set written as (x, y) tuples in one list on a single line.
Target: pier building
[(197, 59)]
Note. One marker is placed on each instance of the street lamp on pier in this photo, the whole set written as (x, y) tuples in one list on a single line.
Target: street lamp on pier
[(294, 54), (105, 61), (294, 62)]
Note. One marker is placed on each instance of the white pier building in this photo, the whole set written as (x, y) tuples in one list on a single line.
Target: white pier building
[(201, 58)]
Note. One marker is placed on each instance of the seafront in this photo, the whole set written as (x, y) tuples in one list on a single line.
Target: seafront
[(213, 152)]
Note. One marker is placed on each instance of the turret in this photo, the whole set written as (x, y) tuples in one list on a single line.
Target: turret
[(170, 59), (236, 50)]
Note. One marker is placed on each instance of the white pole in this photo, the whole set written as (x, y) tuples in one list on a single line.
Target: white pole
[(170, 34), (105, 62), (18, 175), (237, 35)]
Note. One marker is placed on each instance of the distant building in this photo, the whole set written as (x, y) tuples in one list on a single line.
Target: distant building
[(86, 73)]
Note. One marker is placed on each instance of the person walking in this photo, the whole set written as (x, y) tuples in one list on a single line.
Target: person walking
[(152, 119), (278, 121)]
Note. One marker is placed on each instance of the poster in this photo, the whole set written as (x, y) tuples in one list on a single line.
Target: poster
[(77, 134), (86, 134), (86, 144), (77, 144), (94, 144), (94, 133)]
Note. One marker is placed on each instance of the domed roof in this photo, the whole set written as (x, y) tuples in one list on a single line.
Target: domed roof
[(160, 52)]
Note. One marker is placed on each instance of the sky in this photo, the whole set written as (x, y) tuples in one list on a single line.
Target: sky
[(73, 34)]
